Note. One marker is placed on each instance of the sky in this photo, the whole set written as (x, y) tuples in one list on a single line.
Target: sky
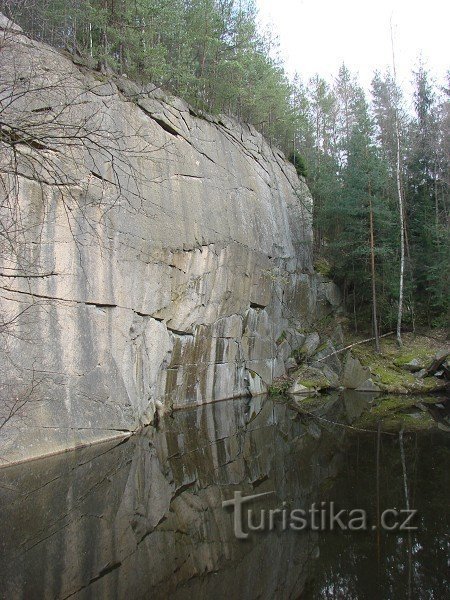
[(316, 36)]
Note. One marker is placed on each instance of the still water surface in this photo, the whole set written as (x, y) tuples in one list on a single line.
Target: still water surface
[(144, 518)]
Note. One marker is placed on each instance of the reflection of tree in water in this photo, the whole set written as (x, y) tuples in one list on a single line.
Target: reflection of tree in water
[(348, 566)]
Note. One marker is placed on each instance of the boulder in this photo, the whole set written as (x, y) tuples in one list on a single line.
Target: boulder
[(413, 365), (438, 360), (8, 25), (333, 294), (355, 374), (327, 356), (310, 344), (331, 376), (290, 364), (368, 386), (284, 350), (312, 379), (338, 335), (299, 389), (294, 338)]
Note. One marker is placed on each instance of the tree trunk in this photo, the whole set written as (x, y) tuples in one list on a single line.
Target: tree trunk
[(402, 241), (374, 290), (401, 211)]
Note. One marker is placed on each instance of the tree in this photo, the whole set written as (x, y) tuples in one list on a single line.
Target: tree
[(428, 198), (299, 163), (360, 203), (400, 208), (212, 53), (348, 95), (390, 135)]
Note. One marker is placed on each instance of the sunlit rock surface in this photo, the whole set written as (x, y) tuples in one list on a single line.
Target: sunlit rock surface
[(158, 255)]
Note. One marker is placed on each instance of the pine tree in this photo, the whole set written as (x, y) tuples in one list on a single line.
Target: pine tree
[(429, 234)]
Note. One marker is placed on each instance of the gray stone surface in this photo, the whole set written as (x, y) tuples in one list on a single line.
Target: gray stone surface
[(354, 374), (326, 356), (313, 379), (311, 344), (162, 256), (7, 25), (413, 365), (290, 364), (368, 386), (299, 389)]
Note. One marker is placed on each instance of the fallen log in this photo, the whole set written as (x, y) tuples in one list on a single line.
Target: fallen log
[(436, 364), (355, 344)]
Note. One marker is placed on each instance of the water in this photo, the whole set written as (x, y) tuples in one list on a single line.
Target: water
[(144, 518)]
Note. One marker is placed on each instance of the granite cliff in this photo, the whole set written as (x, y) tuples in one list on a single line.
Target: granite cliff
[(152, 257)]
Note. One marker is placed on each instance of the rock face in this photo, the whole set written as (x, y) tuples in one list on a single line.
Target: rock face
[(159, 257)]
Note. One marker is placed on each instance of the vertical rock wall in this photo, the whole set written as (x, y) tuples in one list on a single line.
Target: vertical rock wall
[(158, 255)]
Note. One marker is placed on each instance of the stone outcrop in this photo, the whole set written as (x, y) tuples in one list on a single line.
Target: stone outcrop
[(161, 255), (355, 374)]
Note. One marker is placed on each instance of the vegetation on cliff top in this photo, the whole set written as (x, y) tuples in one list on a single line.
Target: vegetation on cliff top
[(358, 153)]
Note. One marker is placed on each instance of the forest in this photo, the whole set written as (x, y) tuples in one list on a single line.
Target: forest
[(376, 161)]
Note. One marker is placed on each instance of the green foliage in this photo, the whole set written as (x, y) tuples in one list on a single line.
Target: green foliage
[(322, 266), (281, 338), (209, 52), (279, 387), (299, 163), (350, 149), (212, 54)]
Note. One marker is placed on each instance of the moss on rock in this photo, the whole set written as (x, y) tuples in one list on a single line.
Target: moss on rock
[(397, 412), (387, 367), (312, 379)]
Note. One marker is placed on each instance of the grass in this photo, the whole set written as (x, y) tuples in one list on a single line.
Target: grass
[(279, 387)]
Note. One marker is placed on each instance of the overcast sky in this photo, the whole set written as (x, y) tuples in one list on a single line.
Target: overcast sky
[(318, 35)]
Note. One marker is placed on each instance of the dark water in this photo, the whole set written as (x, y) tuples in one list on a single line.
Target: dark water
[(144, 518)]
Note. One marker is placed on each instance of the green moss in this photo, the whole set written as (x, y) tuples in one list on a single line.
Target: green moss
[(322, 266), (279, 387), (417, 422), (281, 338), (404, 359), (390, 404), (387, 370), (322, 347), (309, 383), (312, 403), (298, 355), (396, 412), (311, 378), (391, 376), (432, 384), (423, 354)]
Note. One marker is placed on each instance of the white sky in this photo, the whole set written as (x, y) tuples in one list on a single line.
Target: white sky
[(316, 36)]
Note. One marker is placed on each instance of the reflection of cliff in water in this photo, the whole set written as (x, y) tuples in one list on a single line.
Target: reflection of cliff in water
[(144, 518)]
